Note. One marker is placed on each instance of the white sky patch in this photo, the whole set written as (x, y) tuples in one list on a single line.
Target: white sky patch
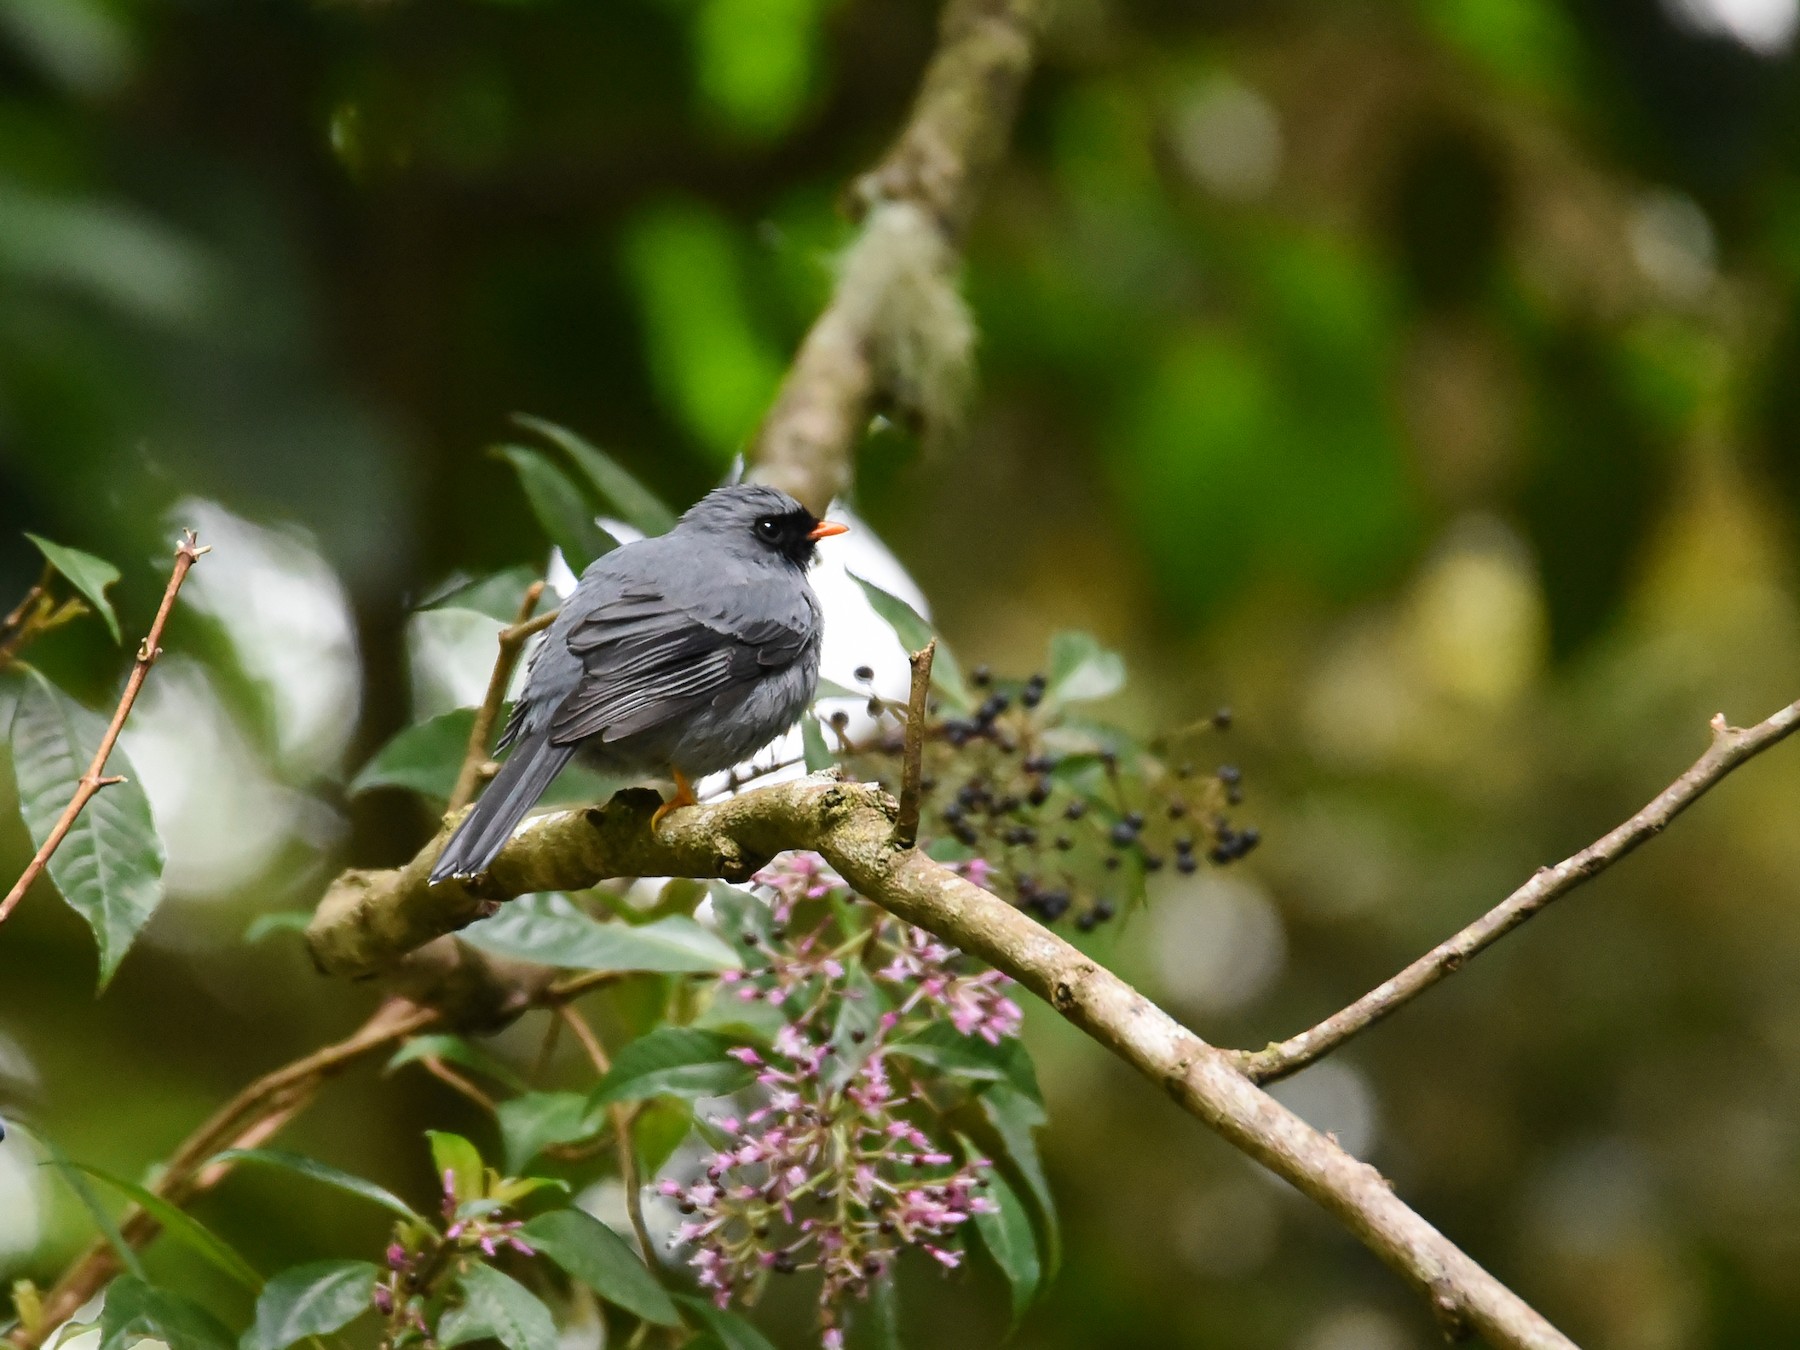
[(1766, 27), (289, 621)]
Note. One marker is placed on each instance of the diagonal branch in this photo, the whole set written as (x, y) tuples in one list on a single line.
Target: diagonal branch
[(1731, 746), (250, 1119), (895, 328), (188, 552), (370, 919)]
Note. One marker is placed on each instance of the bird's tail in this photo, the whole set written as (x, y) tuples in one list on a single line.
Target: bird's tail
[(522, 779)]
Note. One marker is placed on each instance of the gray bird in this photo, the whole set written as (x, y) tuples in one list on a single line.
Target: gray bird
[(679, 655)]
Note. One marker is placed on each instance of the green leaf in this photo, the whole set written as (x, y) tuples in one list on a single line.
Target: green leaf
[(455, 1050), (310, 1300), (103, 1220), (885, 1305), (109, 866), (657, 1130), (602, 1260), (832, 689), (135, 1310), (552, 929), (532, 1122), (277, 921), (853, 1037), (739, 913), (87, 574), (322, 1173), (630, 500), (458, 1165), (1082, 670), (732, 1331), (497, 1307), (914, 633), (947, 1050), (181, 1226), (1006, 1232), (812, 738), (425, 757), (673, 1062), (498, 596), (561, 508), (1014, 1117)]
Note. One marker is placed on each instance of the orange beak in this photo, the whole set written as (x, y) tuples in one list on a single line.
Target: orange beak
[(826, 528)]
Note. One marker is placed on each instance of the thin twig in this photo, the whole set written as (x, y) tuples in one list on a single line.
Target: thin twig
[(17, 627), (1730, 747), (912, 766), (187, 553), (512, 642), (453, 1080), (250, 1119), (622, 1118)]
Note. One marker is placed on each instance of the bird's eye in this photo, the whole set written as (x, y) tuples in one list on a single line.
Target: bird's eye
[(768, 529)]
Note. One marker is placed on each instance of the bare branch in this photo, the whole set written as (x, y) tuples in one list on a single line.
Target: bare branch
[(512, 642), (187, 553), (25, 618), (250, 1119), (912, 766), (895, 327), (622, 1117), (1730, 747), (365, 923)]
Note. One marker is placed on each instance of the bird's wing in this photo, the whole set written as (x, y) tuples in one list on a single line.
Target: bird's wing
[(649, 658)]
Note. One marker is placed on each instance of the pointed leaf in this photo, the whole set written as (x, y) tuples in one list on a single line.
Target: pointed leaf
[(1014, 1117), (310, 1300), (455, 1050), (135, 1310), (425, 757), (497, 1307), (182, 1227), (947, 1050), (552, 929), (602, 1260), (633, 503), (532, 1122), (458, 1165), (498, 596), (731, 1331), (87, 574), (912, 630), (103, 1219), (109, 865), (561, 508), (1006, 1232), (322, 1173), (1082, 670), (812, 740), (672, 1062)]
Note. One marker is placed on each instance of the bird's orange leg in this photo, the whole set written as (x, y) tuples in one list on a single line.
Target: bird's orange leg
[(684, 796)]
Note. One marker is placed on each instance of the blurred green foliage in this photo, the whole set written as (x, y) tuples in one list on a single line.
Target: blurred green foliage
[(1419, 379)]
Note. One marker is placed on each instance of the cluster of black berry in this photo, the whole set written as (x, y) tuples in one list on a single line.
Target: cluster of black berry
[(1065, 817)]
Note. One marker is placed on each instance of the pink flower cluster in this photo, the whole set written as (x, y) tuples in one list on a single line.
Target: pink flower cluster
[(399, 1297), (826, 1176), (832, 1172)]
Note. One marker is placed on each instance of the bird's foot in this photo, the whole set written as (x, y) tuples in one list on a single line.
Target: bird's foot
[(684, 796)]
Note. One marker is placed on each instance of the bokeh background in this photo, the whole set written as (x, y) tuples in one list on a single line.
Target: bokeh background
[(1422, 380)]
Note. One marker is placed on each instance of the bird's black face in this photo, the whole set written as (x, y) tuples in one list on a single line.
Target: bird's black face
[(793, 534)]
